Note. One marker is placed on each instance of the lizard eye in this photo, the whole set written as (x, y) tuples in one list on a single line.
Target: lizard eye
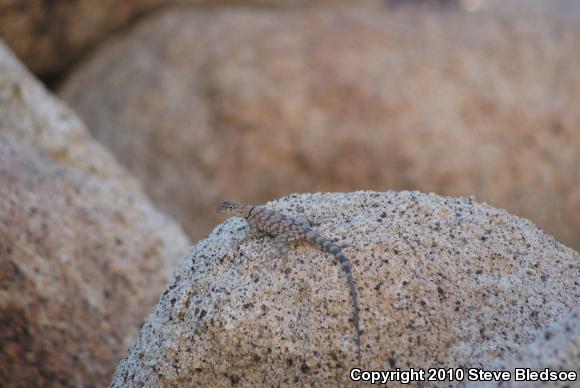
[(225, 206)]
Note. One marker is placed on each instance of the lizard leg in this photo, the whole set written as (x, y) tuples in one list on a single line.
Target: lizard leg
[(301, 218), (303, 221), (254, 231), (281, 244)]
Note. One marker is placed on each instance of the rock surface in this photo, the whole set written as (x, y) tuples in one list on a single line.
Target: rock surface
[(441, 281), (556, 348), (49, 36), (83, 253), (203, 106), (33, 116)]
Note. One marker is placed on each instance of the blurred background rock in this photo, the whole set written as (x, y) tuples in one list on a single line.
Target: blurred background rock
[(469, 98), (84, 254), (49, 36)]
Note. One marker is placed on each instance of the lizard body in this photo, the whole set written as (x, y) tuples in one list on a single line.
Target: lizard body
[(286, 229)]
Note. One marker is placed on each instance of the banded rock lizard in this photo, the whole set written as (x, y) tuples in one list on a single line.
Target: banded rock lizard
[(287, 229)]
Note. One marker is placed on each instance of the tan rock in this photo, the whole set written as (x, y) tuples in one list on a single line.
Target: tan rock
[(83, 253), (33, 116), (251, 105), (49, 36), (441, 281)]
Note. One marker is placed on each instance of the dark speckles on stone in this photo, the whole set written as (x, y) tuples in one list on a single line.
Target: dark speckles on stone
[(234, 379), (304, 368), (392, 362)]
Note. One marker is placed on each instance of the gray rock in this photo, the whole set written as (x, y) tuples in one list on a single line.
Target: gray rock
[(556, 348), (442, 282)]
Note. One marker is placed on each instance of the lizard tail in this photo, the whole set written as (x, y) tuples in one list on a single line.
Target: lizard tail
[(329, 246)]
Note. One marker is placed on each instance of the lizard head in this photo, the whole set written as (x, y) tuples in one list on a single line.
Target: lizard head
[(233, 208)]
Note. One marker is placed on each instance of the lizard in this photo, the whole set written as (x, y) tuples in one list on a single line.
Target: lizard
[(287, 229)]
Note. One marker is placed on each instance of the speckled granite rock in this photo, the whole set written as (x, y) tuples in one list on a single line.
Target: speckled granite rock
[(81, 265), (254, 105), (557, 347), (83, 253), (442, 282)]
